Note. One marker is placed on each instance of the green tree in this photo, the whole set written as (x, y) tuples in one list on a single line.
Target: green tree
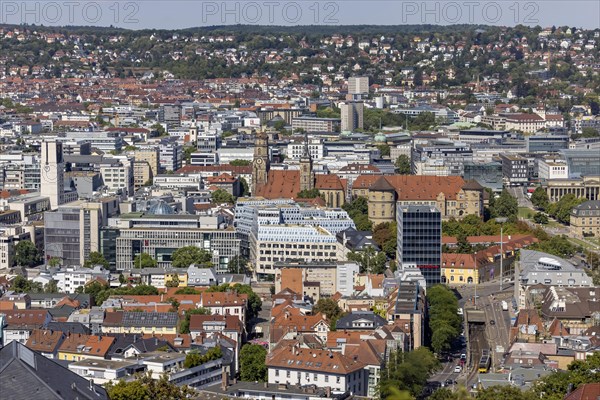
[(384, 149), (221, 196), (557, 245), (174, 282), (505, 393), (147, 388), (403, 166), (462, 244), (51, 287), (144, 260), (187, 153), (561, 210), (95, 258), (159, 128), (444, 321), (309, 194), (252, 363), (539, 198), (188, 255), (506, 206), (369, 260), (20, 284), (240, 163), (194, 358), (385, 235), (54, 262), (237, 264), (540, 218), (245, 187), (407, 372), (187, 290), (329, 307), (26, 254)]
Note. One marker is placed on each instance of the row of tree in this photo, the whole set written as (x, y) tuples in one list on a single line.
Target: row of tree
[(560, 210), (444, 322)]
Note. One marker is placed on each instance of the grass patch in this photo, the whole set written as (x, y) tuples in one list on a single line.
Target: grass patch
[(526, 212), (583, 244)]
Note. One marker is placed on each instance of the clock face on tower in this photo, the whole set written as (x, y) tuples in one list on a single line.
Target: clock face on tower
[(259, 161)]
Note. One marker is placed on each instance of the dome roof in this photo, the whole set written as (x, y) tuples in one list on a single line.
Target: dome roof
[(161, 208), (380, 137)]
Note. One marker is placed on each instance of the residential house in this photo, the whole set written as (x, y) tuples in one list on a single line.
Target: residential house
[(103, 371), (225, 303), (39, 378), (46, 342), (132, 345), (293, 365), (360, 321), (77, 347), (18, 324), (291, 323)]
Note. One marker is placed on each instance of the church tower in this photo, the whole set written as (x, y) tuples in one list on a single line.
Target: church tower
[(193, 133), (307, 178), (260, 163)]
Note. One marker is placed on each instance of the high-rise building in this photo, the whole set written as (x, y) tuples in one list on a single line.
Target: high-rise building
[(72, 232), (351, 116), (52, 170), (420, 240), (358, 85)]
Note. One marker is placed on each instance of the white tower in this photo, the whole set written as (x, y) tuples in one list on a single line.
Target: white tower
[(52, 167)]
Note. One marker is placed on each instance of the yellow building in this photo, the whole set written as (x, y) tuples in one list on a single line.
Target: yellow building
[(180, 277), (585, 219), (142, 173), (78, 347), (452, 195), (459, 269)]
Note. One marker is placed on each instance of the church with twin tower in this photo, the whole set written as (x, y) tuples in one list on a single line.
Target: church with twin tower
[(275, 184)]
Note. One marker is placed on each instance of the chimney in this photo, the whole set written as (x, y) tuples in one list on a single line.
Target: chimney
[(224, 379)]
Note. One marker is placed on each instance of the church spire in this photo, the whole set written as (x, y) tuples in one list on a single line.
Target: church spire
[(306, 150)]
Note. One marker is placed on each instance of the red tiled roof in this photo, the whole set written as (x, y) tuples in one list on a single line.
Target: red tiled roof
[(588, 391), (416, 187)]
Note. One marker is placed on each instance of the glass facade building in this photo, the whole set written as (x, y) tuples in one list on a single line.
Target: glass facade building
[(420, 240)]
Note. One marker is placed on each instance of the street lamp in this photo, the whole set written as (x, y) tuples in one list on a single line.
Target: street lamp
[(501, 221)]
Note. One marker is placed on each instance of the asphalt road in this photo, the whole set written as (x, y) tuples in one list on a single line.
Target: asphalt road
[(487, 336)]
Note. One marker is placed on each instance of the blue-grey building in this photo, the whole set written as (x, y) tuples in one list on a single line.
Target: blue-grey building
[(546, 143), (420, 240), (582, 162)]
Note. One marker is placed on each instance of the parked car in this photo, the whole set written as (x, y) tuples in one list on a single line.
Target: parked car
[(457, 369), (492, 322), (463, 356)]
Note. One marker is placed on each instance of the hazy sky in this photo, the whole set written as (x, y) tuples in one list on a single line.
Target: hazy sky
[(183, 14)]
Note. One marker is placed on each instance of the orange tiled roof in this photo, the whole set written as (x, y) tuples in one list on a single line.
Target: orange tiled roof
[(416, 187)]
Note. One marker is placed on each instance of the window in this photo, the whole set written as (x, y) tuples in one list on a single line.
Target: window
[(288, 375)]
